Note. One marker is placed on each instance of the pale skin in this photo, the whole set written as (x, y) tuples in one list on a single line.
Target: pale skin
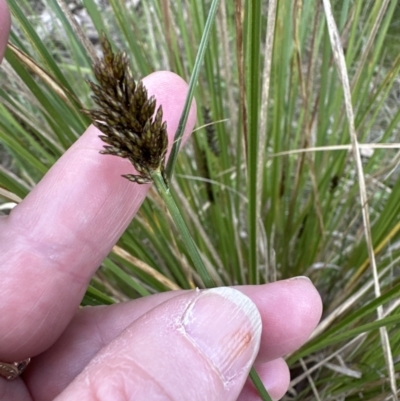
[(50, 247)]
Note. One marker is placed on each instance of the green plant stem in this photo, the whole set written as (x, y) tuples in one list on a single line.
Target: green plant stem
[(262, 392), (253, 15), (192, 83), (176, 215)]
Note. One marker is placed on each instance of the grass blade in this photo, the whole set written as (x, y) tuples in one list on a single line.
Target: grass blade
[(192, 83)]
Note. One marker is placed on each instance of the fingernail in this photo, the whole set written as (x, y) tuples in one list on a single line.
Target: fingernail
[(225, 326), (300, 278)]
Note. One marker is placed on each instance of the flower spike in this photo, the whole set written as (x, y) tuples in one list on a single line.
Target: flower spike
[(125, 116)]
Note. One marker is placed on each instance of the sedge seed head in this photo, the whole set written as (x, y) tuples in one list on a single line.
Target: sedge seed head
[(124, 115)]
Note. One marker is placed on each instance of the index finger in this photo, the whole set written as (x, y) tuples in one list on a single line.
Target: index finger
[(5, 24), (53, 242)]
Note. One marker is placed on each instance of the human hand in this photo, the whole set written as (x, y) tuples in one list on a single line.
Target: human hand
[(183, 345)]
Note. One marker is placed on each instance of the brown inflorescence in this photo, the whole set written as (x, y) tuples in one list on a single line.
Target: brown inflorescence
[(125, 116)]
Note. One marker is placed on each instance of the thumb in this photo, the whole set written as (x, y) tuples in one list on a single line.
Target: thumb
[(196, 346)]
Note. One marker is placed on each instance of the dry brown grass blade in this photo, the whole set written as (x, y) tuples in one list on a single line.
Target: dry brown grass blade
[(310, 380), (4, 193), (261, 154), (355, 342), (350, 302), (144, 267), (31, 65), (337, 147), (342, 70), (318, 364)]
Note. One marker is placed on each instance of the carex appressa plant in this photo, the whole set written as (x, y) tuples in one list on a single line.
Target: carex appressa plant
[(125, 116), (129, 128)]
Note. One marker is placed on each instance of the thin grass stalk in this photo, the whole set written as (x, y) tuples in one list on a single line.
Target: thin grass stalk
[(308, 117), (317, 201), (310, 380), (350, 333), (350, 302), (375, 52), (166, 13), (259, 385), (93, 296), (96, 17), (60, 124), (312, 65), (360, 271), (328, 338), (370, 41), (227, 59), (78, 31), (242, 134), (199, 227), (13, 183), (173, 261), (38, 71), (341, 65), (43, 150), (133, 283), (192, 83), (51, 145), (122, 17), (116, 294), (173, 209), (153, 24), (146, 268), (239, 20), (321, 363), (252, 56), (37, 43), (336, 147), (11, 196), (184, 12), (261, 153)]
